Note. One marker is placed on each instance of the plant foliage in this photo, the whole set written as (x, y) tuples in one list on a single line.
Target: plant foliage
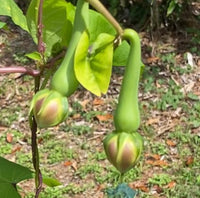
[(11, 174)]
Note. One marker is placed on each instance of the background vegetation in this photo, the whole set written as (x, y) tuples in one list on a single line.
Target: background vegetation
[(169, 102)]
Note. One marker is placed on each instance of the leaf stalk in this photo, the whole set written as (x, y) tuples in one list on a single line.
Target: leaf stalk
[(18, 69)]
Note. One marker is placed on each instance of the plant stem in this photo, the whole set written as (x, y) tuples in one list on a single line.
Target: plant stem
[(101, 9), (35, 157), (41, 45), (33, 124), (64, 80), (15, 69), (51, 65), (34, 145), (121, 178)]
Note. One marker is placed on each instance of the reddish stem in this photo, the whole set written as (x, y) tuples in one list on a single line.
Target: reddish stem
[(35, 153), (15, 69), (41, 44)]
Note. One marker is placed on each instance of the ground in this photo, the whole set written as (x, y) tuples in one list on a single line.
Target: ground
[(73, 152)]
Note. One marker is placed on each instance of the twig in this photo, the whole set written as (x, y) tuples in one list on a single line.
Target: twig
[(35, 153), (35, 157), (95, 137), (53, 60), (18, 69), (39, 189), (41, 44), (164, 129), (51, 65)]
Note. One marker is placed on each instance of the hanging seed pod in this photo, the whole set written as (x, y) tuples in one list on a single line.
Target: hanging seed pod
[(127, 114), (49, 108), (123, 149), (64, 80)]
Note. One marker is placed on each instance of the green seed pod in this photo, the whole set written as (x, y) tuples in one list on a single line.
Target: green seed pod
[(49, 108), (123, 149), (127, 114), (64, 80)]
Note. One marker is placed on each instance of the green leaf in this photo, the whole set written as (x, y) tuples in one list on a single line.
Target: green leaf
[(198, 179), (51, 182), (121, 54), (57, 22), (10, 8), (2, 24), (11, 172), (32, 18), (7, 190), (98, 25), (93, 69), (34, 56), (192, 96), (171, 7)]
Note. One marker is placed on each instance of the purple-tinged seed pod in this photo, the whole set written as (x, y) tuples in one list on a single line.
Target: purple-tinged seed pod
[(49, 108), (123, 149)]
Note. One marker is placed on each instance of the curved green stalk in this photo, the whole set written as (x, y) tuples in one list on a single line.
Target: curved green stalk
[(127, 115), (64, 80)]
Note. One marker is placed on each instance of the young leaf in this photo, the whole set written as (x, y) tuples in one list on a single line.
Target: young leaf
[(51, 182), (93, 64), (11, 172), (57, 23), (58, 17), (7, 190), (10, 8), (34, 56), (98, 25)]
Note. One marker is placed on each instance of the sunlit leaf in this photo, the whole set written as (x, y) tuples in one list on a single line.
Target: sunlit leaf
[(51, 182), (98, 25), (34, 56), (93, 63), (58, 17), (10, 8), (57, 23)]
